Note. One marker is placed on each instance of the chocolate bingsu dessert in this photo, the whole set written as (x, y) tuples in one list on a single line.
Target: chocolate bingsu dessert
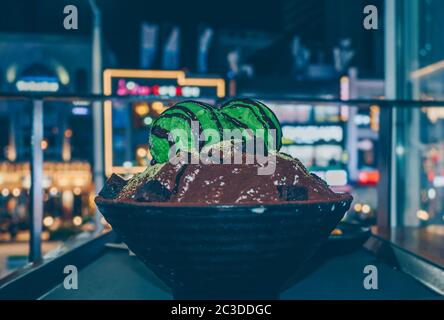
[(214, 213), (178, 175)]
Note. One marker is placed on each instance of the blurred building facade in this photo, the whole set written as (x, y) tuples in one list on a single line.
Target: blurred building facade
[(58, 59), (46, 64)]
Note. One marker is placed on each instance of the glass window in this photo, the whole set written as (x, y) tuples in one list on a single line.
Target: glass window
[(414, 45)]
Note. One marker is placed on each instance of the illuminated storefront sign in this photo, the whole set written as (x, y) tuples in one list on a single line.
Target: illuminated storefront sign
[(313, 134), (334, 178), (434, 113), (161, 83), (37, 84), (368, 177), (61, 176), (132, 88), (438, 181), (151, 83)]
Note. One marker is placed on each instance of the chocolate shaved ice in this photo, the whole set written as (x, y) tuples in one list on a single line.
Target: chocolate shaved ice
[(293, 193), (152, 191), (114, 185), (232, 170), (226, 183), (129, 191)]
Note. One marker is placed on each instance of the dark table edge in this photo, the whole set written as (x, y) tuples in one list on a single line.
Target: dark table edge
[(425, 271), (33, 281)]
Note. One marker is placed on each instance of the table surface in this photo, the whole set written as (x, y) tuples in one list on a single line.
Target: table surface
[(117, 275)]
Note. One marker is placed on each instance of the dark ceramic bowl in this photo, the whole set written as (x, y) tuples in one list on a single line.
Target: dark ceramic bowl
[(224, 251)]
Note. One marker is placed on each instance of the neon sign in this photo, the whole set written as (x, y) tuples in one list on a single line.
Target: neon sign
[(132, 88), (37, 84), (150, 83)]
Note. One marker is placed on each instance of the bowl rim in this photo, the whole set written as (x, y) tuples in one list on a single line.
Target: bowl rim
[(340, 197)]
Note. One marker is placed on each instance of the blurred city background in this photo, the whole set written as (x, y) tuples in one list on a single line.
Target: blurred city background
[(300, 57)]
